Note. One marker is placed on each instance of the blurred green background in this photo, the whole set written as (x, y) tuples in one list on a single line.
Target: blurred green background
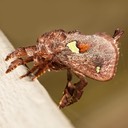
[(103, 104)]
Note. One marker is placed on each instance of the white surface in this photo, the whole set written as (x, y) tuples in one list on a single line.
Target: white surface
[(25, 103)]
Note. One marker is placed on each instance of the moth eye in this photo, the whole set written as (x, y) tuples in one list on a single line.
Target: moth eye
[(83, 47), (98, 68), (73, 46)]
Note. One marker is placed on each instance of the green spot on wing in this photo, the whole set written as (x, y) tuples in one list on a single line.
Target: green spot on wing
[(72, 47), (98, 69)]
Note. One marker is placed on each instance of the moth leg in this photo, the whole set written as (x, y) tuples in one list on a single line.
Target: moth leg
[(22, 51), (30, 71), (18, 62), (38, 69), (39, 72), (72, 92)]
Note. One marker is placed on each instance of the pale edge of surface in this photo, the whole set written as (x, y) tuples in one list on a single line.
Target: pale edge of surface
[(25, 103)]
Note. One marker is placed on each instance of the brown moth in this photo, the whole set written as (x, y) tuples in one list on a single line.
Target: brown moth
[(94, 56)]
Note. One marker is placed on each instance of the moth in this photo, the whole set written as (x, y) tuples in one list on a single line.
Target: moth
[(94, 56)]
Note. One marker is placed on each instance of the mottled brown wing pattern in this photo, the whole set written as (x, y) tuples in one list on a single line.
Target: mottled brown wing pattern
[(98, 62)]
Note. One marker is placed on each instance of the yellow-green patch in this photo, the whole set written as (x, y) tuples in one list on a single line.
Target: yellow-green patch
[(72, 47), (98, 69)]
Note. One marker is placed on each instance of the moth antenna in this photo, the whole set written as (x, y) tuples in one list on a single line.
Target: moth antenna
[(117, 34)]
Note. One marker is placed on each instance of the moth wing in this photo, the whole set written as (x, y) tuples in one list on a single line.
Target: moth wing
[(99, 62)]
